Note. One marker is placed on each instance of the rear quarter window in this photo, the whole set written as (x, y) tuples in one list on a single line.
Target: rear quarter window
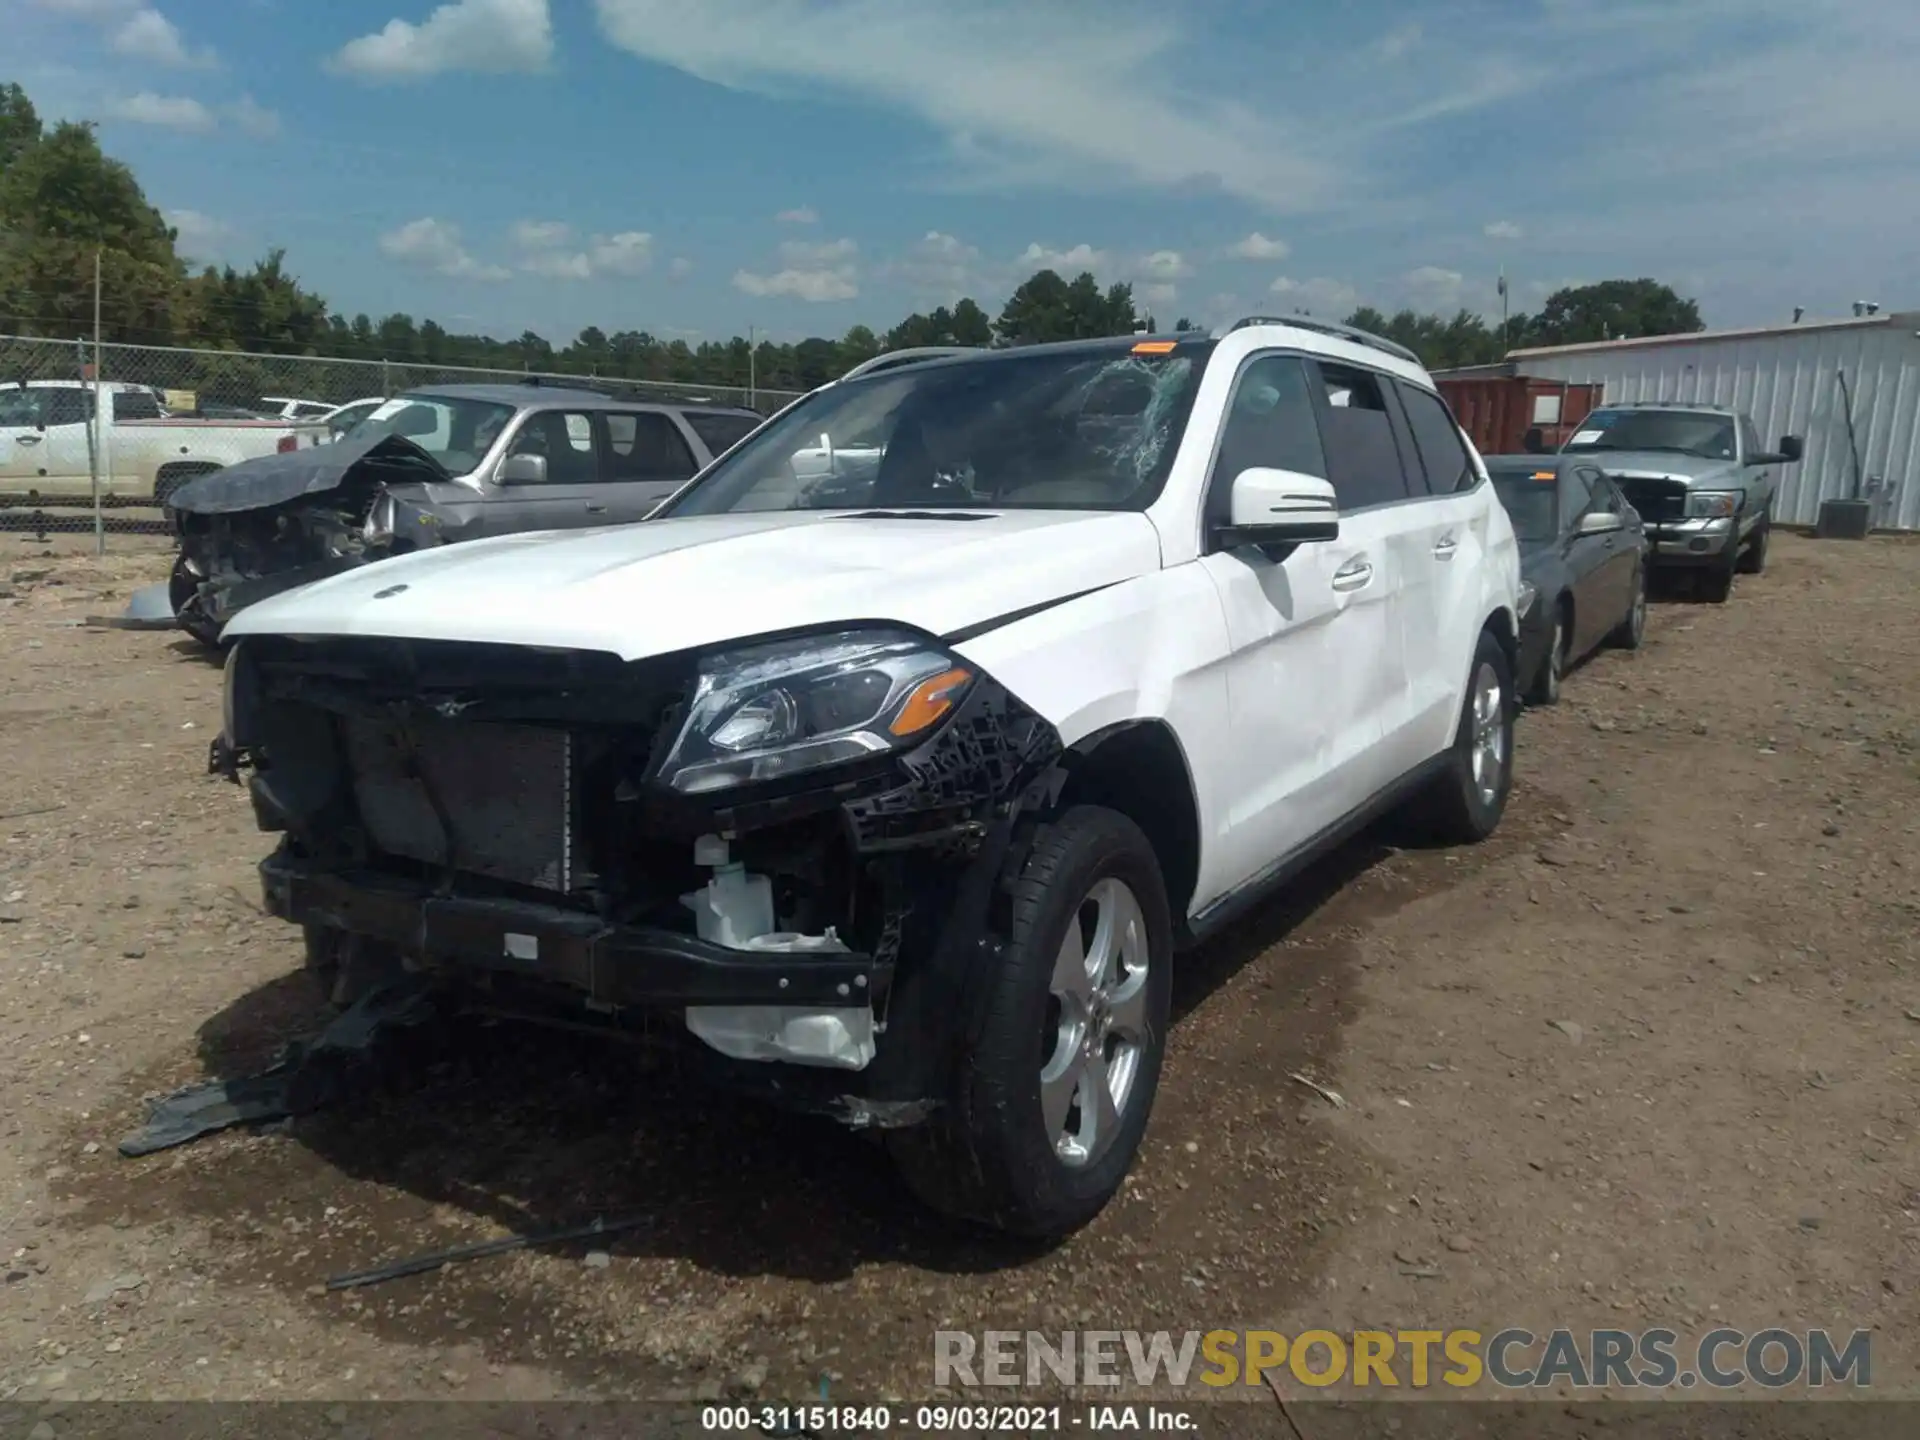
[(721, 432)]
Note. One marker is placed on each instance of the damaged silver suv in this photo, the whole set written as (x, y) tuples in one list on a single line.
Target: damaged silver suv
[(894, 760)]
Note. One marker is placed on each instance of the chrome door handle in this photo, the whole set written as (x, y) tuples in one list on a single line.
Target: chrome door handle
[(1356, 574), (1444, 548), (26, 439), (596, 509)]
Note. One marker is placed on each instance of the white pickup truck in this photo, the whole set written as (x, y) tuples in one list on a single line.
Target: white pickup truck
[(144, 452)]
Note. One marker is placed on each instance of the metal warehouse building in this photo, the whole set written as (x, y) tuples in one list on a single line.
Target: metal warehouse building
[(1793, 380)]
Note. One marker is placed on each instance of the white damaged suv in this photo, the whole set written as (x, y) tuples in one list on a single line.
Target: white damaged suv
[(897, 788)]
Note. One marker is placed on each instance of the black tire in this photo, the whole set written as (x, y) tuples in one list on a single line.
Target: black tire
[(345, 967), (1754, 560), (1631, 632), (1456, 810), (1716, 585), (1545, 686), (988, 1156)]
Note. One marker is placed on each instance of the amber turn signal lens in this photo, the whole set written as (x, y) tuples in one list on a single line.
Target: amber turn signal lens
[(929, 700)]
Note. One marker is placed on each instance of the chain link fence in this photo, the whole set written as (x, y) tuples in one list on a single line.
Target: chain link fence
[(166, 414)]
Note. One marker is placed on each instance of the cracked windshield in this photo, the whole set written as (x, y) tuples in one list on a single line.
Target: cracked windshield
[(1074, 430)]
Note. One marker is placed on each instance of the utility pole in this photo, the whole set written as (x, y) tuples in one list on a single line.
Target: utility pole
[(752, 361), (99, 418), (1505, 339)]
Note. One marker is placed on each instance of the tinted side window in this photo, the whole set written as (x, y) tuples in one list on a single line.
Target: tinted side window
[(1749, 439), (1269, 424), (565, 439), (644, 445), (721, 432), (69, 407), (135, 405), (1363, 462), (1437, 438)]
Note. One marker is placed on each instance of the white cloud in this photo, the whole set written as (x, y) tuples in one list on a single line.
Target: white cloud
[(802, 215), (200, 236), (1258, 247), (489, 37), (680, 268), (941, 267), (546, 247), (825, 253), (1398, 41), (813, 272), (170, 112), (1503, 230), (1158, 294), (435, 245), (1165, 265), (541, 234), (1330, 298), (1074, 92), (148, 35), (1068, 262), (254, 118), (1434, 289), (816, 286)]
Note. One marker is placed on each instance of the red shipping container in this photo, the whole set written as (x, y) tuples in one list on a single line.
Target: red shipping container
[(1497, 411)]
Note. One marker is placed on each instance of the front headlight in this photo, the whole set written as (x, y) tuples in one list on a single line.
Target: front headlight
[(1712, 504), (378, 529), (1527, 596), (767, 711)]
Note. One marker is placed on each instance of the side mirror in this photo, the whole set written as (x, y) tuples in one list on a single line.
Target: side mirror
[(1599, 522), (1279, 507), (1791, 449), (522, 470)]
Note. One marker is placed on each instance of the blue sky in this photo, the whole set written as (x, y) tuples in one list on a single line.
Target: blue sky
[(693, 167)]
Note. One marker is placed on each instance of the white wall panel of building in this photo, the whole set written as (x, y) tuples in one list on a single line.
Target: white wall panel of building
[(1787, 380)]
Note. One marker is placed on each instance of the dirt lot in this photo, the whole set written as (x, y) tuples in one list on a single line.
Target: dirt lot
[(1649, 1057)]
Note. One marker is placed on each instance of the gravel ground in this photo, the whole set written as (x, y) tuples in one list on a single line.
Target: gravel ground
[(1648, 1057)]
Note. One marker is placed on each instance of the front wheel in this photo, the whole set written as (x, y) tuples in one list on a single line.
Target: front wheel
[(1545, 689), (1054, 1087), (1755, 559), (1467, 800)]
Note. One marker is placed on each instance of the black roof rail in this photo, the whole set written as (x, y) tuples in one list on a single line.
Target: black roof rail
[(1325, 327), (909, 355)]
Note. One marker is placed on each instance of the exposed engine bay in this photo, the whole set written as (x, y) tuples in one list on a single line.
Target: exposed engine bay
[(565, 835), (256, 529)]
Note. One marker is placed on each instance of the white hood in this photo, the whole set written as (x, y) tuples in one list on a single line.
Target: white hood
[(668, 585)]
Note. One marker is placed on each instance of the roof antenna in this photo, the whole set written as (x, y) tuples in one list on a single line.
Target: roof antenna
[(1798, 311)]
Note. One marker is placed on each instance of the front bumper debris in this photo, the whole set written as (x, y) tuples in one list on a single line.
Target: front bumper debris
[(612, 966)]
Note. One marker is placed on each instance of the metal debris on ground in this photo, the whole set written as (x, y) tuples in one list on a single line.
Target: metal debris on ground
[(1332, 1097), (421, 1264), (308, 1076)]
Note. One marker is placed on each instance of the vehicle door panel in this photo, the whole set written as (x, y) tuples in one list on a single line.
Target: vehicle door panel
[(22, 439), (566, 440), (1377, 676), (1446, 544), (1287, 631), (648, 456), (1621, 551)]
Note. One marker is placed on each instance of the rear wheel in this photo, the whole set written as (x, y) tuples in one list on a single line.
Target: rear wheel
[(1629, 633), (1056, 1082), (1466, 802)]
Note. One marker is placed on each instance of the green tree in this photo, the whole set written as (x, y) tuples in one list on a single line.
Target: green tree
[(19, 125), (62, 202), (1613, 310)]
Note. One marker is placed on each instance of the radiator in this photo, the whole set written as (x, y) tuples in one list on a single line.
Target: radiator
[(505, 791)]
